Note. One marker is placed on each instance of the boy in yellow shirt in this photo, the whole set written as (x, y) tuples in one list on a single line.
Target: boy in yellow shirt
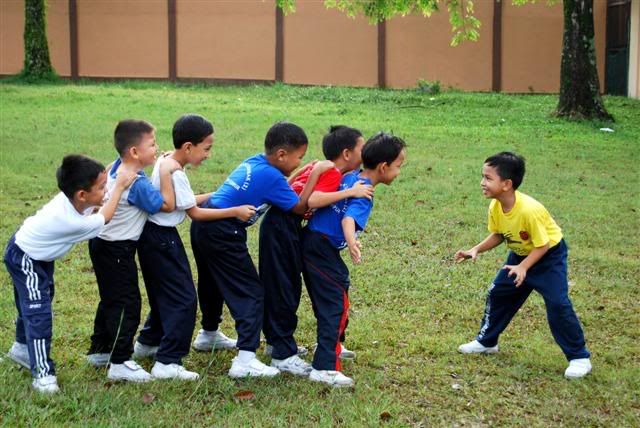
[(537, 261)]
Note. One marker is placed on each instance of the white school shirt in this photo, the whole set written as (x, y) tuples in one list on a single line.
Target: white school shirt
[(185, 198), (55, 228)]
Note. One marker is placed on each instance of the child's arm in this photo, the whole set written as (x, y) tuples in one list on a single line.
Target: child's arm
[(124, 179), (520, 270), (320, 199), (242, 212), (167, 166), (489, 243), (349, 230), (202, 198), (320, 167), (295, 175)]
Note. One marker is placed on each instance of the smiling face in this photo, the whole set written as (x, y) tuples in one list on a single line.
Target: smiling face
[(146, 150), (492, 184), (392, 170), (196, 154), (95, 195), (289, 160)]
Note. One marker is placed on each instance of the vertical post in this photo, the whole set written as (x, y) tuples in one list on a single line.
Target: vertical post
[(73, 38), (279, 45), (496, 68), (173, 68), (382, 53)]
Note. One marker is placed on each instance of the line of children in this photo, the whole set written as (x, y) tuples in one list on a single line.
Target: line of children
[(44, 237), (280, 247)]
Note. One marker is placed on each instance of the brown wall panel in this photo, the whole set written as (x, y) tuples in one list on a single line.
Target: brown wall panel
[(119, 38), (11, 31), (420, 48), (532, 46), (58, 35), (326, 47), (226, 39)]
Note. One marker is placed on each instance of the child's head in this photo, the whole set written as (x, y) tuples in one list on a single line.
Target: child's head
[(193, 134), (345, 144), (384, 153), (136, 140), (82, 180), (285, 145), (502, 172)]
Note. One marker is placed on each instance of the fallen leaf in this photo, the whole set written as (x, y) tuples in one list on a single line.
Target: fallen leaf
[(244, 395), (148, 398), (385, 416)]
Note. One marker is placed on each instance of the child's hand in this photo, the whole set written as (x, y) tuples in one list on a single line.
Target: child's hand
[(354, 252), (361, 190), (169, 164), (519, 271), (245, 212), (322, 166), (166, 154), (125, 178), (462, 255)]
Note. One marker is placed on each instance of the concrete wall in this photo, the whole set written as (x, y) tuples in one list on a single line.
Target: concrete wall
[(634, 51)]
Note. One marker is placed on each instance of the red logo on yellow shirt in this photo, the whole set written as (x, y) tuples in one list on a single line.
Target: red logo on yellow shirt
[(524, 235)]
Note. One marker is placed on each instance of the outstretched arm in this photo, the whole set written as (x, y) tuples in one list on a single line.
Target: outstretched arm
[(167, 167), (124, 179), (323, 199), (349, 230), (242, 213), (489, 243), (318, 169)]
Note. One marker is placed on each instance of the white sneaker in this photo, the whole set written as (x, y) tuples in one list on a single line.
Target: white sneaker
[(578, 368), (475, 347), (294, 365), (19, 353), (46, 385), (254, 368), (140, 350), (346, 354), (268, 350), (129, 371), (98, 360), (172, 371), (331, 377), (207, 340)]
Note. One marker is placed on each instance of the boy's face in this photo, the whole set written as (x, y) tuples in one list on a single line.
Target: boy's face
[(492, 184), (392, 170), (289, 160), (95, 195), (355, 155), (196, 154), (146, 150)]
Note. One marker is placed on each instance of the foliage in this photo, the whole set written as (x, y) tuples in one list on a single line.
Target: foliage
[(37, 64), (428, 86), (411, 305)]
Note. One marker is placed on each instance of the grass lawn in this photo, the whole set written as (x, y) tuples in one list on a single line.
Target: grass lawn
[(411, 305)]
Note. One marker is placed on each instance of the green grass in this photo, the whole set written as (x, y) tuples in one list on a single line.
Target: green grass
[(412, 306)]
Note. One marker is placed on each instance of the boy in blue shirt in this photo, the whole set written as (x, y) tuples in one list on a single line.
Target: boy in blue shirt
[(113, 251), (231, 275), (330, 230), (537, 261), (43, 238)]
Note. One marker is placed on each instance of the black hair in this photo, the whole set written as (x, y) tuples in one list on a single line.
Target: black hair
[(129, 132), (381, 148), (284, 135), (339, 138), (191, 128), (77, 172), (509, 166)]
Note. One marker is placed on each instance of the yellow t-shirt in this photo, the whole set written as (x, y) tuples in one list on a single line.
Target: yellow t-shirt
[(528, 225)]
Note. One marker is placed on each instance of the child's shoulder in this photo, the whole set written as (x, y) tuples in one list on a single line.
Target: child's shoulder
[(530, 206)]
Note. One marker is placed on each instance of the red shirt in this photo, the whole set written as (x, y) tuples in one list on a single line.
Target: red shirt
[(329, 181)]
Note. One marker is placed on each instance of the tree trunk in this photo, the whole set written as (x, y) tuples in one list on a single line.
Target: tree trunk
[(37, 64), (579, 84)]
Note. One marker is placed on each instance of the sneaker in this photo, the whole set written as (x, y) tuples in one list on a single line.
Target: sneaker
[(207, 340), (268, 350), (294, 365), (46, 385), (254, 368), (129, 371), (172, 371), (331, 377), (98, 360), (475, 347), (346, 354), (578, 368), (140, 350), (19, 353)]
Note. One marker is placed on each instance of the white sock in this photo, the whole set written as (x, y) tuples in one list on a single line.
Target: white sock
[(246, 356)]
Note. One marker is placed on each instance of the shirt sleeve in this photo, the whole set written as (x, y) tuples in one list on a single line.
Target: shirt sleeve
[(281, 195), (143, 195), (185, 198), (329, 181), (88, 228), (359, 210), (537, 228)]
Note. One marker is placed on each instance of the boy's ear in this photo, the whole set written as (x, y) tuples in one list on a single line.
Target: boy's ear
[(133, 152), (187, 146), (346, 154), (382, 167), (280, 154), (507, 184), (80, 195)]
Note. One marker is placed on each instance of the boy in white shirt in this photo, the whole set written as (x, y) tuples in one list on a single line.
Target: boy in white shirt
[(44, 237)]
